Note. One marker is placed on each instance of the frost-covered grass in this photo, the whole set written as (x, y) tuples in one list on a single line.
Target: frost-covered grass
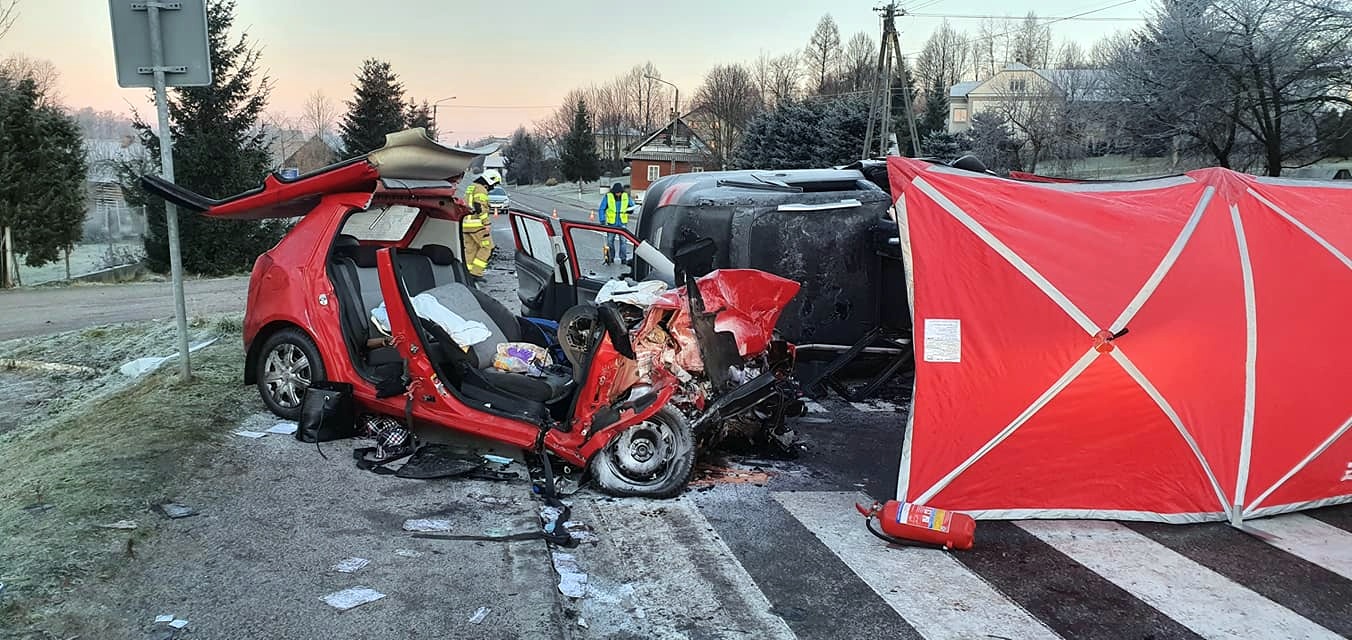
[(104, 450), (86, 258)]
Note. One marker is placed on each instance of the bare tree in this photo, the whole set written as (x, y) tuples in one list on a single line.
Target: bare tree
[(785, 78), (318, 114), (944, 61), (1033, 108), (730, 97), (860, 62), (1032, 42), (649, 101), (991, 46), (822, 53), (777, 79), (1071, 56), (9, 14), (43, 73)]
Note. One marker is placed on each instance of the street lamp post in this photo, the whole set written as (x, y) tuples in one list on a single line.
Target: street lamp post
[(675, 115), (435, 123)]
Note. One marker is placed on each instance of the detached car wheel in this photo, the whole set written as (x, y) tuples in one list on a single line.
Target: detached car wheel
[(652, 459), (288, 364)]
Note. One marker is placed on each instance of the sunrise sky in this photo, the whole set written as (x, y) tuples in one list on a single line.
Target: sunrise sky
[(508, 63)]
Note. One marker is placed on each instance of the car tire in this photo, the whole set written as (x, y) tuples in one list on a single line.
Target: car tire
[(652, 459), (288, 364)]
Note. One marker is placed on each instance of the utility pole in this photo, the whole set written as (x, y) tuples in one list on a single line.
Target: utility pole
[(675, 115), (880, 102), (436, 125)]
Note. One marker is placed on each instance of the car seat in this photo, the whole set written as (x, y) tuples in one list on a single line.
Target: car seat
[(477, 361)]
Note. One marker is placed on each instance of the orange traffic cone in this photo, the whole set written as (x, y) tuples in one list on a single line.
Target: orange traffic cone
[(556, 214)]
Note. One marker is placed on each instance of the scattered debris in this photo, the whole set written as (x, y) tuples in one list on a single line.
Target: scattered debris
[(350, 565), (2, 590), (164, 619), (814, 407), (178, 623), (47, 367), (500, 501), (811, 420), (427, 525), (582, 622), (352, 597), (407, 553), (580, 532), (479, 615), (175, 510), (141, 366), (497, 459), (875, 406), (283, 428), (572, 581), (245, 433), (549, 514), (38, 507), (120, 524), (708, 475)]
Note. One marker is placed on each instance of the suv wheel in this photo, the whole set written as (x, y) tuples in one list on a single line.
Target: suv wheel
[(287, 366)]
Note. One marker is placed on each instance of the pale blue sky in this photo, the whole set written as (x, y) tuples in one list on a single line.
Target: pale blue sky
[(523, 54)]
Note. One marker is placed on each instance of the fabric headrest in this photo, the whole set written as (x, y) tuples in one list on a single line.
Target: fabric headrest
[(439, 254), (345, 245), (366, 256)]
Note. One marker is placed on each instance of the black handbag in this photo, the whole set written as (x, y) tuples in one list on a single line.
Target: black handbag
[(326, 413)]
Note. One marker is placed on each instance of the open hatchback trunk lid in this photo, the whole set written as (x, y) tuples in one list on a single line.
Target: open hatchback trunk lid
[(407, 158)]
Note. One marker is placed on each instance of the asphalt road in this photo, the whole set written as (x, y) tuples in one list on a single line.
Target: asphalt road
[(41, 311)]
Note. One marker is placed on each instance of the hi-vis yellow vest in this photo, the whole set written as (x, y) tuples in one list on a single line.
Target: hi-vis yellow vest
[(622, 209)]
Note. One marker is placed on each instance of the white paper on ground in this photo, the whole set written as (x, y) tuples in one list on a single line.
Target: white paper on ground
[(141, 366), (350, 565), (479, 615), (283, 428), (165, 618), (874, 406), (253, 435), (407, 553), (178, 623), (572, 581), (352, 597), (427, 525)]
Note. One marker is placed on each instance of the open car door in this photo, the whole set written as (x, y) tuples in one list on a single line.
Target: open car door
[(588, 246), (543, 283)]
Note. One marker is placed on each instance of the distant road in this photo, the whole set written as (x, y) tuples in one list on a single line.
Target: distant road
[(36, 312)]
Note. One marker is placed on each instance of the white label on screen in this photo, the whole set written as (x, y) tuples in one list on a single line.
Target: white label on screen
[(943, 340)]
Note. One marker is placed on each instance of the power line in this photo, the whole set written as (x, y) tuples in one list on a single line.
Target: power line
[(969, 16), (969, 41), (499, 106)]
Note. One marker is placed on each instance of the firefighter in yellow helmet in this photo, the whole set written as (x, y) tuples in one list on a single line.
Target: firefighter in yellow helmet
[(476, 228)]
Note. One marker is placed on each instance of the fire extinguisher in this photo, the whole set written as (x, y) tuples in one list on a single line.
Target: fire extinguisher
[(918, 525)]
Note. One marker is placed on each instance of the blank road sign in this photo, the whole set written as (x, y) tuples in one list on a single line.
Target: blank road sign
[(183, 28)]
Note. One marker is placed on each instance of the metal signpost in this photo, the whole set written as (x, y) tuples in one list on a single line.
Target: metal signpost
[(152, 40)]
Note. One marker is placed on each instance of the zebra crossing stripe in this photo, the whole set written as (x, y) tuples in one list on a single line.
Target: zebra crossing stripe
[(1304, 537), (1206, 602), (936, 594)]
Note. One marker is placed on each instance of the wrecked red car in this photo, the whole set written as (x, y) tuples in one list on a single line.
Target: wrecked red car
[(343, 298)]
